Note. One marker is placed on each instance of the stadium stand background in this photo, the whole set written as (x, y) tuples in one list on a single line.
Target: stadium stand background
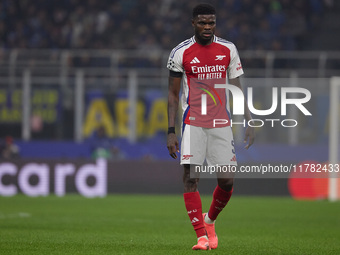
[(44, 30), (99, 49), (75, 24)]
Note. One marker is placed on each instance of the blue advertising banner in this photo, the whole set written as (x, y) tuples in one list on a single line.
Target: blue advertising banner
[(45, 103)]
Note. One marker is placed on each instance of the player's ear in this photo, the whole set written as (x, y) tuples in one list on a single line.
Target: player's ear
[(193, 22)]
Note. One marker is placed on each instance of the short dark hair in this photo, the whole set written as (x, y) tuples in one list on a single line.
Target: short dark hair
[(203, 9)]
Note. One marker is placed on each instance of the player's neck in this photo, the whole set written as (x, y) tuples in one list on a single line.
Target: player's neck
[(204, 42)]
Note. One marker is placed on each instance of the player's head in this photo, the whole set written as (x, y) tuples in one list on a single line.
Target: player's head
[(203, 9), (204, 22)]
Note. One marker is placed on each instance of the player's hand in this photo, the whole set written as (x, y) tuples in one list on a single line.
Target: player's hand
[(249, 137), (172, 144)]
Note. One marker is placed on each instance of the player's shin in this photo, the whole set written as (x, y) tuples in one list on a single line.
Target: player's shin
[(193, 205), (220, 200)]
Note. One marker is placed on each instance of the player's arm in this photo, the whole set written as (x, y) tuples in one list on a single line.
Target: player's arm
[(250, 133), (173, 100)]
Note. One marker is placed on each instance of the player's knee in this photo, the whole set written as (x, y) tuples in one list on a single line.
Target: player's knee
[(187, 180), (190, 184), (226, 184)]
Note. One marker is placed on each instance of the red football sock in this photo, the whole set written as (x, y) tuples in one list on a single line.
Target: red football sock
[(193, 205), (220, 200)]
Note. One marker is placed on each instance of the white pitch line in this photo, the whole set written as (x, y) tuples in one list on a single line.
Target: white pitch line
[(15, 215)]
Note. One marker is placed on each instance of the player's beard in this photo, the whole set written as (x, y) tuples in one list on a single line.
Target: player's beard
[(204, 40)]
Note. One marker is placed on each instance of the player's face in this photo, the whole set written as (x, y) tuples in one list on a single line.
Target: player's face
[(204, 26)]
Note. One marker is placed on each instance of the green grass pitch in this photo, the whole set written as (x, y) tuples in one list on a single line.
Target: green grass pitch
[(158, 224)]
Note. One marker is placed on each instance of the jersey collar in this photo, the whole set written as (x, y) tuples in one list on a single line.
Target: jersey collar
[(194, 40)]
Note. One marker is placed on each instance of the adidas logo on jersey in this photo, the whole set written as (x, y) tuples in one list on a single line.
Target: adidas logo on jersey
[(195, 220), (195, 61)]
